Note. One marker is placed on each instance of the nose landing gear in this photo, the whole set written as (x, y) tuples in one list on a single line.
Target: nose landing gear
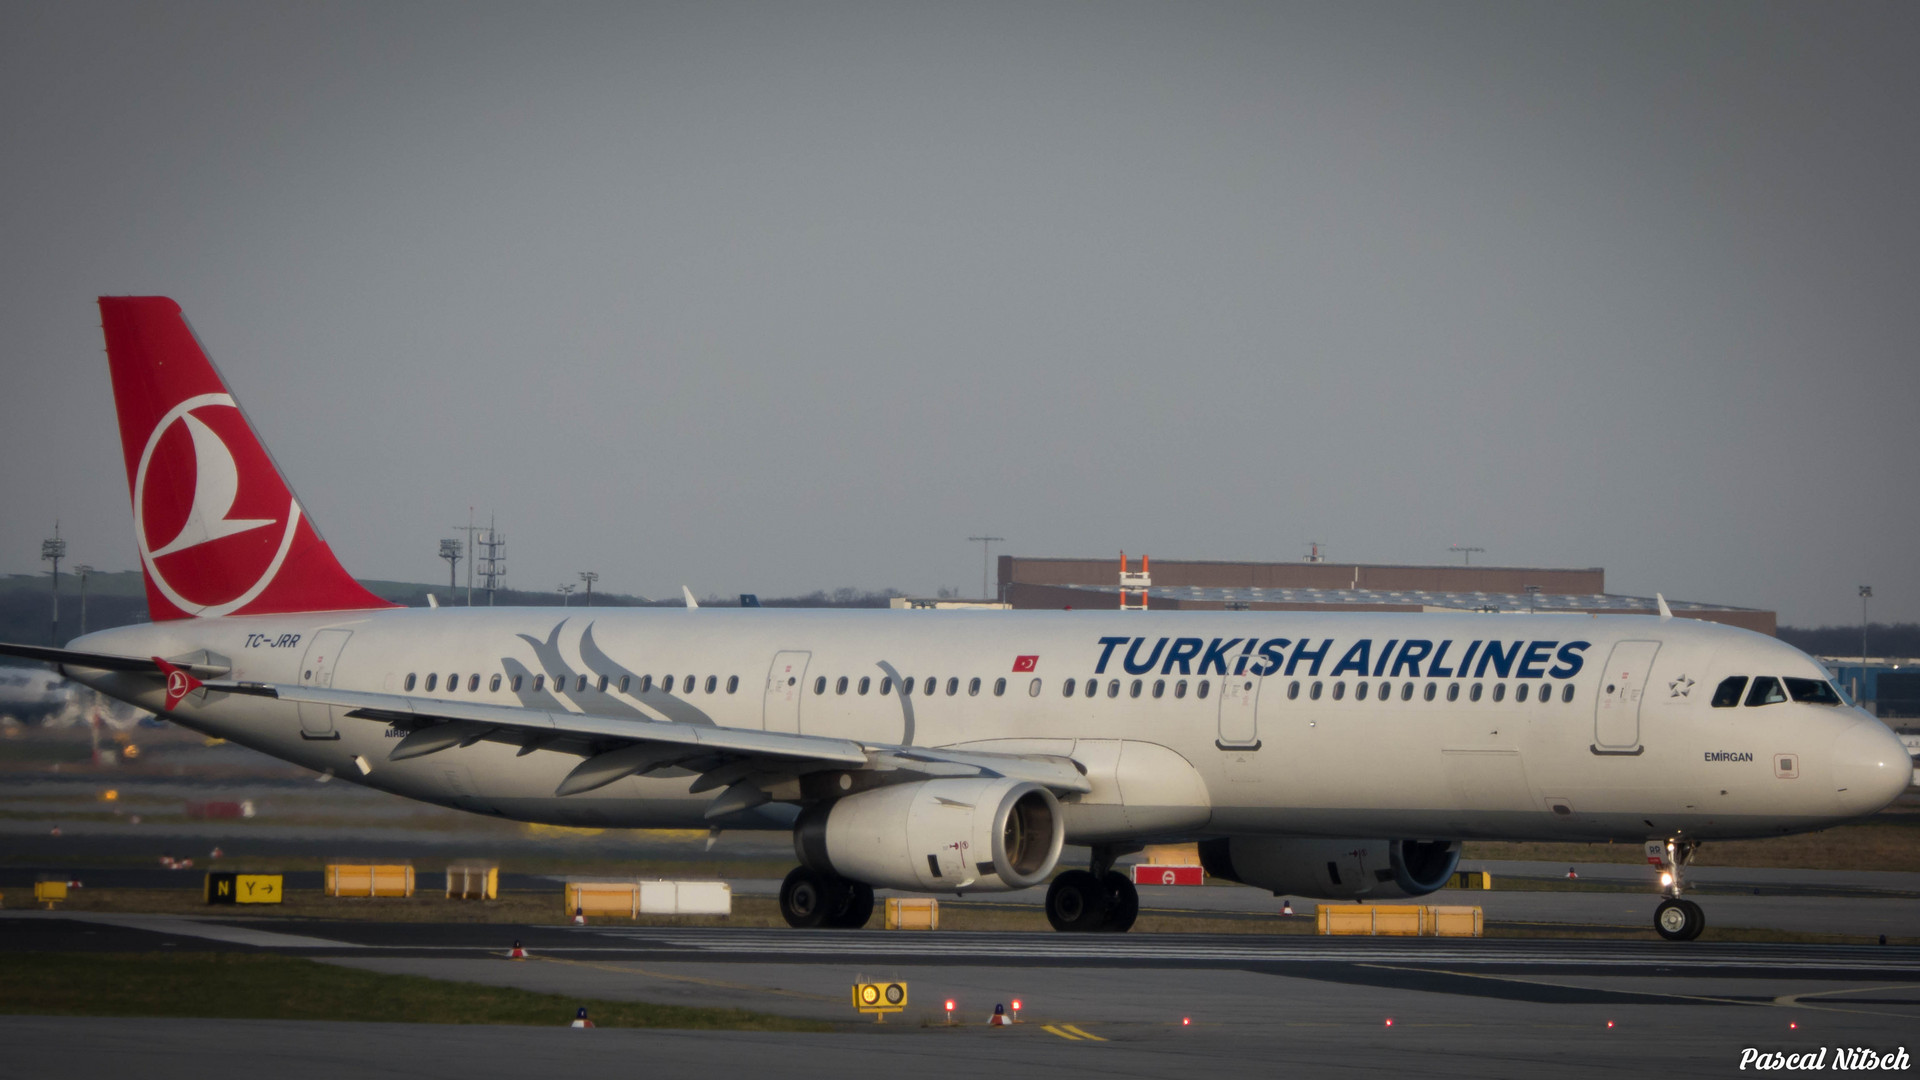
[(1675, 919)]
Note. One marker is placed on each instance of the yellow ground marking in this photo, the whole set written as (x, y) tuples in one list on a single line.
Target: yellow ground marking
[(722, 984), (1051, 1030), (1083, 1034)]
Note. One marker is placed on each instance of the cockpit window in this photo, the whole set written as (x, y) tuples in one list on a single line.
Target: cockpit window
[(1766, 691), (1729, 693), (1812, 691)]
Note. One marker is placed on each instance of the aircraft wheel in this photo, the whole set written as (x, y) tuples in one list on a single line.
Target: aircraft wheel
[(1076, 902), (809, 898), (1123, 902), (855, 907), (1678, 920)]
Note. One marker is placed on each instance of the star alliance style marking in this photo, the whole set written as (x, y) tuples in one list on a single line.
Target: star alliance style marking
[(1680, 686)]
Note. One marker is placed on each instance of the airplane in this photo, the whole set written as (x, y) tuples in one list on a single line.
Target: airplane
[(1338, 756)]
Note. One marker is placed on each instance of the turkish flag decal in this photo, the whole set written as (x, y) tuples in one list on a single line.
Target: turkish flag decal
[(1025, 663)]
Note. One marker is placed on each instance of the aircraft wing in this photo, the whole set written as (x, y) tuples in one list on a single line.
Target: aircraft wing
[(746, 762)]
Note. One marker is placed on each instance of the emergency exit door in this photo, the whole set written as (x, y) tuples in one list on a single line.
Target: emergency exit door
[(1616, 709), (786, 681), (1239, 714), (323, 656)]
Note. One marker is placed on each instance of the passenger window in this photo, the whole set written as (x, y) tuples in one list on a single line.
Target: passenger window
[(453, 683), (539, 682), (1134, 690), (666, 684), (1406, 692), (1313, 694), (625, 682), (1728, 695), (1201, 690), (886, 685), (493, 684), (687, 687), (1339, 690), (1033, 688), (432, 678), (517, 679), (906, 687), (733, 683), (953, 686), (840, 685), (1113, 688), (646, 684), (1159, 688), (713, 683), (1566, 693), (973, 687), (820, 685), (866, 684), (927, 688), (1453, 691), (1474, 694), (1432, 689), (600, 684), (1499, 691), (580, 684), (410, 679), (1812, 691), (1180, 689), (1766, 691), (1093, 687), (1000, 687), (1066, 688), (1520, 692), (1293, 690)]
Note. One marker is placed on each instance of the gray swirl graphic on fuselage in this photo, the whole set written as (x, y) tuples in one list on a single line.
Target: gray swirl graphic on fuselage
[(673, 708), (906, 703)]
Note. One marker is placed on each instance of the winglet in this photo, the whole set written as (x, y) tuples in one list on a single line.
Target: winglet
[(688, 593), (1665, 611), (179, 683)]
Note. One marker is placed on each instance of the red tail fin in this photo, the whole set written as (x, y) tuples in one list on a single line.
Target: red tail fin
[(219, 530)]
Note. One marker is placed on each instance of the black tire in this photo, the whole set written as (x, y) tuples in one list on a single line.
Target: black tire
[(1123, 902), (1076, 902), (809, 898), (1699, 919), (855, 907), (1678, 920)]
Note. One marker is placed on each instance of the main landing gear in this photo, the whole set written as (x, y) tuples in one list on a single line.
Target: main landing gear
[(811, 899), (1675, 919), (1093, 900)]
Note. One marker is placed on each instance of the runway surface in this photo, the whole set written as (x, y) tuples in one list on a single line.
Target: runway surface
[(1095, 1005)]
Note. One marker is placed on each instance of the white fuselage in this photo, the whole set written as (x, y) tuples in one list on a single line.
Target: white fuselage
[(1616, 737)]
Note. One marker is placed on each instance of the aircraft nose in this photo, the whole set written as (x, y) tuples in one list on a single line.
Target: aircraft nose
[(1871, 767)]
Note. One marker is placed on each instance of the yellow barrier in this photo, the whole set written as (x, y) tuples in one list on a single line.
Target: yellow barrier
[(913, 913), (1400, 920), (473, 881), (1470, 879), (49, 892), (368, 879), (603, 898), (629, 899)]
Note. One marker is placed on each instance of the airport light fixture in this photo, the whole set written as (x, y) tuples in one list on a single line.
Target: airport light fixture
[(589, 576), (566, 594), (1866, 594), (81, 572), (1533, 592), (1467, 552), (451, 551)]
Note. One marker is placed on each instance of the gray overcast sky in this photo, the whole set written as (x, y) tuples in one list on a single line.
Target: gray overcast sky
[(785, 296)]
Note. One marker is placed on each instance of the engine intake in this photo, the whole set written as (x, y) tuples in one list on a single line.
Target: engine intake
[(1333, 869), (981, 835)]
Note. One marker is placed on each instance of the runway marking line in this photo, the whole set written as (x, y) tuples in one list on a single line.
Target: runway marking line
[(1059, 1030), (1083, 1034), (1789, 1001), (722, 984)]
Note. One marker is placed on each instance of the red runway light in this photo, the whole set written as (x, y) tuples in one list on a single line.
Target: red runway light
[(1186, 1021), (1609, 1023), (1389, 1021)]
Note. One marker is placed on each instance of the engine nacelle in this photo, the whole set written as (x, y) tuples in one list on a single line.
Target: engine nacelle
[(981, 835), (1333, 869)]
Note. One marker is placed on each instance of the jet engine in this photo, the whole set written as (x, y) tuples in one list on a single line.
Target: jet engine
[(1333, 869), (978, 834)]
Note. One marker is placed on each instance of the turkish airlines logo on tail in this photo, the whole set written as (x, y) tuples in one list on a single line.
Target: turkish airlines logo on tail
[(204, 514)]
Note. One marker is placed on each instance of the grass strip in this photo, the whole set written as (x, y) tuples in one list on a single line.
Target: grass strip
[(263, 986)]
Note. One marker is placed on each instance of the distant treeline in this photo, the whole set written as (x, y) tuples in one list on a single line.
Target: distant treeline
[(1883, 639), (120, 599)]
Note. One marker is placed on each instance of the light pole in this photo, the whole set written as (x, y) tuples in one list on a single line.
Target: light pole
[(450, 551), (1467, 552), (81, 572), (53, 551), (1866, 594), (566, 595), (589, 577), (1532, 592), (986, 545)]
